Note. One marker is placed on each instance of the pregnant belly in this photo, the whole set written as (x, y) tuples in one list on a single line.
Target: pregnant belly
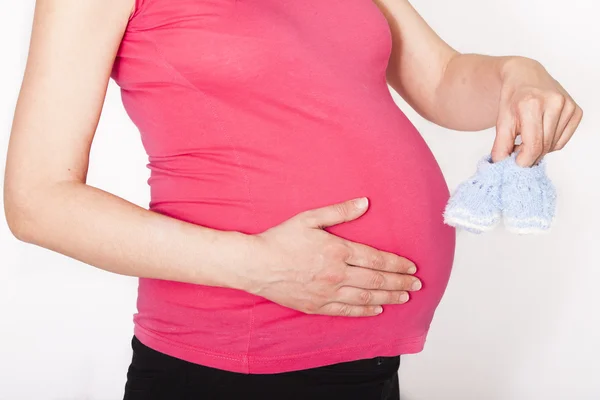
[(393, 168)]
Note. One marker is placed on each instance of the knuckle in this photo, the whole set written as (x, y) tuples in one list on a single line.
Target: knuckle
[(310, 306), (570, 107), (309, 217), (530, 111), (309, 311), (377, 280), (344, 310), (377, 261), (530, 101), (339, 251), (396, 264), (333, 277), (341, 209), (365, 297), (555, 100)]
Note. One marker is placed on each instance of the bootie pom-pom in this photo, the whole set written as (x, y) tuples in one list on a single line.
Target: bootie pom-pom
[(475, 205)]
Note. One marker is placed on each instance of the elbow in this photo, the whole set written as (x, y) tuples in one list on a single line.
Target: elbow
[(19, 217), (17, 224)]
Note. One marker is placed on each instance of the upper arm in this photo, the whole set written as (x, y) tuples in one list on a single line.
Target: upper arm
[(419, 56), (72, 49)]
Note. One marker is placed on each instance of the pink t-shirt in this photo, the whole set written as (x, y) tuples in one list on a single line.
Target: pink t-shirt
[(252, 111)]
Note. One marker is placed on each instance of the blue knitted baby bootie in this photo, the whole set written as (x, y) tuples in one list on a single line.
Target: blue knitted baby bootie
[(476, 203), (528, 198)]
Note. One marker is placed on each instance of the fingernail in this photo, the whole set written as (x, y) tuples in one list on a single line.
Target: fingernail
[(378, 310), (416, 285), (412, 270), (362, 202), (404, 297)]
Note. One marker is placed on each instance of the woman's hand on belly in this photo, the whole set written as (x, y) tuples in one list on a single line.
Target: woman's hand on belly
[(299, 265)]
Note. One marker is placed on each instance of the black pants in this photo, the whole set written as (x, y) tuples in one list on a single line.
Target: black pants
[(156, 376)]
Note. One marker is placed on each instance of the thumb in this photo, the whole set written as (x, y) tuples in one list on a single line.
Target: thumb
[(504, 142), (335, 213)]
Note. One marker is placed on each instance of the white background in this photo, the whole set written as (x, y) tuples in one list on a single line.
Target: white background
[(520, 320)]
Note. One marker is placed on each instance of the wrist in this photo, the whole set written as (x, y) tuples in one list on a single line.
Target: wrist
[(239, 266), (507, 65)]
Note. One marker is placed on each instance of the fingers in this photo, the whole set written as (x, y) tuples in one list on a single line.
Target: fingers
[(347, 310), (546, 123), (565, 116), (361, 255), (365, 278), (532, 133), (335, 213), (354, 302), (569, 129), (506, 128), (553, 110), (360, 297)]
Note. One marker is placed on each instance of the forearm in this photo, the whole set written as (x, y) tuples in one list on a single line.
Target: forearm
[(468, 95), (110, 233)]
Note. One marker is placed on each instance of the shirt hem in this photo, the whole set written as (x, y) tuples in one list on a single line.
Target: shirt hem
[(277, 364)]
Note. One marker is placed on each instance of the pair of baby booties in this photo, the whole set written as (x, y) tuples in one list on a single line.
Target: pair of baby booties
[(524, 197)]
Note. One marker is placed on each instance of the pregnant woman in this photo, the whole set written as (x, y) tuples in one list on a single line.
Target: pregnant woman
[(294, 246)]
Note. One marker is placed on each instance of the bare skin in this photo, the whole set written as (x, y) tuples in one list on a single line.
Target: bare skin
[(471, 92), (47, 201), (297, 263)]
